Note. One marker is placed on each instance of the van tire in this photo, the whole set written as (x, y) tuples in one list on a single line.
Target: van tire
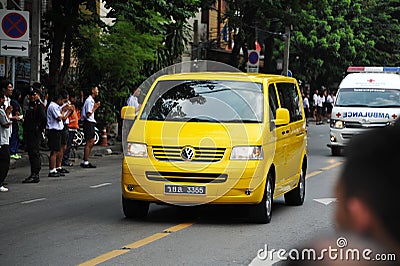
[(135, 209), (296, 196), (262, 212), (336, 151)]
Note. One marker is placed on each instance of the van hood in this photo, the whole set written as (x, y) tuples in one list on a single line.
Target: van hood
[(196, 134), (365, 115)]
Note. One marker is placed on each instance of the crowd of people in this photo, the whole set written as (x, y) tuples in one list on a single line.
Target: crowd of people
[(27, 119), (320, 105)]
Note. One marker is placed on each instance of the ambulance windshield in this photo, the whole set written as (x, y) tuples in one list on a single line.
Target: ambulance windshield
[(362, 97)]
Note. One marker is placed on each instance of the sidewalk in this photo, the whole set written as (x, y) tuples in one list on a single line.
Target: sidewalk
[(98, 150)]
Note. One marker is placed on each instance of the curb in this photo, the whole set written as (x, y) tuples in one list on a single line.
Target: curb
[(97, 150)]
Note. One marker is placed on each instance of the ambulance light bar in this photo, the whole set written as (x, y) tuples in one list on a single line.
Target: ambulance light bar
[(374, 69)]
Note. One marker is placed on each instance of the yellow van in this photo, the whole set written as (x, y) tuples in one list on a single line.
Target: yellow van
[(215, 138)]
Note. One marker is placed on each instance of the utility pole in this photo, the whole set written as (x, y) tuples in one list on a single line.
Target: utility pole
[(286, 52), (35, 40)]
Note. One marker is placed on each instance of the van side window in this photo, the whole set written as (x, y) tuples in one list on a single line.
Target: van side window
[(273, 99), (290, 99)]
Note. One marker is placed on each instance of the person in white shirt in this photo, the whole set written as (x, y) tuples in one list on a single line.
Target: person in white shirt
[(133, 100), (89, 122), (320, 108), (55, 125), (314, 107), (329, 106), (5, 133), (306, 105)]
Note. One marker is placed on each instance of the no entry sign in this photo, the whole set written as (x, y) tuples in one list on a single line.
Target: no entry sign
[(14, 25)]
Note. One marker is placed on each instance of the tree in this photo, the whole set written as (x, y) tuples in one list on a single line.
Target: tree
[(113, 59), (63, 21)]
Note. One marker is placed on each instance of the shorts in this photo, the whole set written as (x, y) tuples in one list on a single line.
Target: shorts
[(320, 110), (54, 137), (64, 135), (88, 130)]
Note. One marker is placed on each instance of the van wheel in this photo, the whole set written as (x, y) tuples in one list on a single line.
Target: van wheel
[(336, 151), (296, 196), (262, 212), (135, 208)]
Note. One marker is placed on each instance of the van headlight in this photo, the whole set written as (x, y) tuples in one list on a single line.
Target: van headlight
[(247, 153), (136, 150), (337, 124)]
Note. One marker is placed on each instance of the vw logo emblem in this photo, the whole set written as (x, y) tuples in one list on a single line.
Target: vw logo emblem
[(187, 153)]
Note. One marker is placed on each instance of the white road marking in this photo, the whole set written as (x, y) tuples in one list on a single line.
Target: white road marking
[(32, 201), (264, 260), (326, 201), (100, 185)]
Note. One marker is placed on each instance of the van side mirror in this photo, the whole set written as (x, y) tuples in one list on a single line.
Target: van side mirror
[(282, 117), (128, 112)]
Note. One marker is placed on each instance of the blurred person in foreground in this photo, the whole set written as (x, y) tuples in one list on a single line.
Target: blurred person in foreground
[(367, 189), (34, 125), (367, 215)]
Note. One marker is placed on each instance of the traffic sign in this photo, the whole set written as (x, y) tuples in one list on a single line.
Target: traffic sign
[(14, 25), (253, 57), (253, 61), (13, 48)]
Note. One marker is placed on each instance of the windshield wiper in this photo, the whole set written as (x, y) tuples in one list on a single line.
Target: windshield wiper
[(352, 105), (387, 106)]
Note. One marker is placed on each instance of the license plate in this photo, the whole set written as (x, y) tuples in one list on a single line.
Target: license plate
[(187, 190)]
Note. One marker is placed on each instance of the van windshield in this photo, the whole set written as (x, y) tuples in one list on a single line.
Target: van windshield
[(360, 97), (205, 101)]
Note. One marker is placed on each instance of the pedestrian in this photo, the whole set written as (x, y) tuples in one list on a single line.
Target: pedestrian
[(67, 110), (16, 112), (306, 105), (133, 99), (7, 88), (367, 189), (33, 126), (89, 122), (329, 106), (320, 107), (73, 126), (315, 104), (55, 126), (5, 133)]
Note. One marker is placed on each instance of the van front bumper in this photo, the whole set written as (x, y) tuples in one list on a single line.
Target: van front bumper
[(242, 182)]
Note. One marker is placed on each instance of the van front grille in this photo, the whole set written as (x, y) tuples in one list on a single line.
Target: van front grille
[(186, 177), (173, 153)]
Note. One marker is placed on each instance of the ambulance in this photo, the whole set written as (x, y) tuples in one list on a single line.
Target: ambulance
[(368, 97)]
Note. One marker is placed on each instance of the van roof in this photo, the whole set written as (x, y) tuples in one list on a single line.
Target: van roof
[(240, 76), (371, 80)]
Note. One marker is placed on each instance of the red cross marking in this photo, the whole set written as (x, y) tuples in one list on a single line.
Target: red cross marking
[(338, 114)]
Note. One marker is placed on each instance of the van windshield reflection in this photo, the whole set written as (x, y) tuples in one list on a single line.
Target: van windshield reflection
[(205, 101)]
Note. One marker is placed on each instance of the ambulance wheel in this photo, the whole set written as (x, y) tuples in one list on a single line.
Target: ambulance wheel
[(135, 209), (296, 196), (336, 151), (262, 212)]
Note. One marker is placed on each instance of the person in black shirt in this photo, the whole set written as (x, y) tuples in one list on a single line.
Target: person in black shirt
[(34, 124)]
